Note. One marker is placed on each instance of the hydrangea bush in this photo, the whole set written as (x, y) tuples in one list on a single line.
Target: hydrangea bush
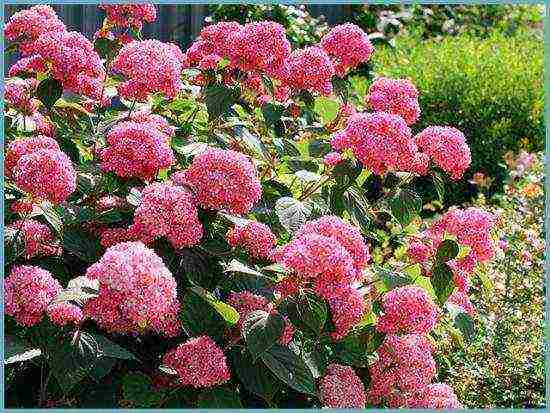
[(228, 225)]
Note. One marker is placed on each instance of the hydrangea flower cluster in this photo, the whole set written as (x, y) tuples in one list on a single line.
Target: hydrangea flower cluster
[(222, 179), (28, 291), (348, 45), (137, 293), (64, 313), (330, 254), (37, 238), (405, 365), (46, 174), (21, 147), (407, 310), (212, 45), (26, 26), (199, 362), (382, 142), (130, 15), (341, 388), (18, 94), (435, 396), (169, 211), (149, 66), (447, 147), (309, 69), (254, 237), (137, 150), (113, 236), (397, 96), (246, 302)]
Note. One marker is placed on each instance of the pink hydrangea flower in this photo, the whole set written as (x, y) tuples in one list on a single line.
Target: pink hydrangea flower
[(134, 232), (18, 93), (199, 362), (222, 179), (31, 64), (156, 121), (26, 26), (407, 309), (340, 388), (419, 252), (333, 159), (309, 69), (462, 301), (37, 238), (212, 44), (405, 364), (169, 211), (130, 15), (397, 96), (345, 234), (137, 293), (447, 147), (43, 125), (65, 313), (348, 45), (382, 142), (254, 237), (347, 307), (28, 291), (149, 66), (25, 146), (46, 174), (435, 396), (72, 60), (137, 150)]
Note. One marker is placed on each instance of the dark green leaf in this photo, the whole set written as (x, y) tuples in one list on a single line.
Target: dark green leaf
[(199, 318), (439, 185), (306, 312), (447, 251), (356, 205), (109, 349), (391, 279), (272, 113), (405, 205), (442, 282), (254, 376), (261, 330), (289, 368), (219, 398), (83, 245), (49, 91), (137, 388), (102, 367), (341, 87), (219, 99), (17, 350), (465, 324)]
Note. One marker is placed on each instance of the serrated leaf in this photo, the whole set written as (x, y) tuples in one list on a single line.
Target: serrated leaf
[(447, 251), (261, 330), (49, 91), (292, 213), (289, 368), (405, 205), (219, 99), (306, 312), (442, 282)]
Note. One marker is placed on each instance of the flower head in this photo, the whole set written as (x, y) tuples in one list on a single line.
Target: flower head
[(37, 238), (20, 147), (254, 237), (309, 69), (340, 387), (130, 15), (65, 313), (397, 96)]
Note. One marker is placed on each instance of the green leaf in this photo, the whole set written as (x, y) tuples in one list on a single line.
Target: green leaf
[(405, 205), (53, 216), (356, 205), (442, 282), (200, 318), (228, 313), (83, 245), (485, 280), (292, 213), (272, 113), (352, 350), (326, 108), (109, 349), (261, 331), (219, 99), (439, 185), (447, 251), (49, 91), (306, 312), (102, 367), (137, 388), (17, 350), (342, 87), (254, 376), (391, 279), (219, 398), (289, 368), (465, 324)]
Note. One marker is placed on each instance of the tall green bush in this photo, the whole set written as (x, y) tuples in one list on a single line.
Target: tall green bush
[(491, 89)]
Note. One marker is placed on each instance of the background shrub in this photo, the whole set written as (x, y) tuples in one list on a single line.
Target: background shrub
[(490, 89)]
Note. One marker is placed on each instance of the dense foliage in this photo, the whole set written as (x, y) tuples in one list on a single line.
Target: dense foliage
[(228, 226)]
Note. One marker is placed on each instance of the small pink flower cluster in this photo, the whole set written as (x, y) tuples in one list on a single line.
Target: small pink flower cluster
[(28, 291), (212, 45), (341, 388), (46, 174), (331, 254), (447, 148), (137, 293), (21, 147), (199, 362), (113, 236), (405, 366), (407, 310), (348, 45), (26, 26), (156, 121), (309, 69), (65, 313), (254, 237), (37, 238), (169, 211), (332, 159), (382, 142), (435, 396), (397, 96), (149, 66), (222, 179), (246, 302), (130, 15), (18, 94), (138, 150)]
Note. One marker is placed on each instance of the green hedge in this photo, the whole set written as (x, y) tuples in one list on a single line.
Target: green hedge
[(490, 89)]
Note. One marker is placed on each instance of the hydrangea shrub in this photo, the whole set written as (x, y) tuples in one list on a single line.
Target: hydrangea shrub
[(228, 225)]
